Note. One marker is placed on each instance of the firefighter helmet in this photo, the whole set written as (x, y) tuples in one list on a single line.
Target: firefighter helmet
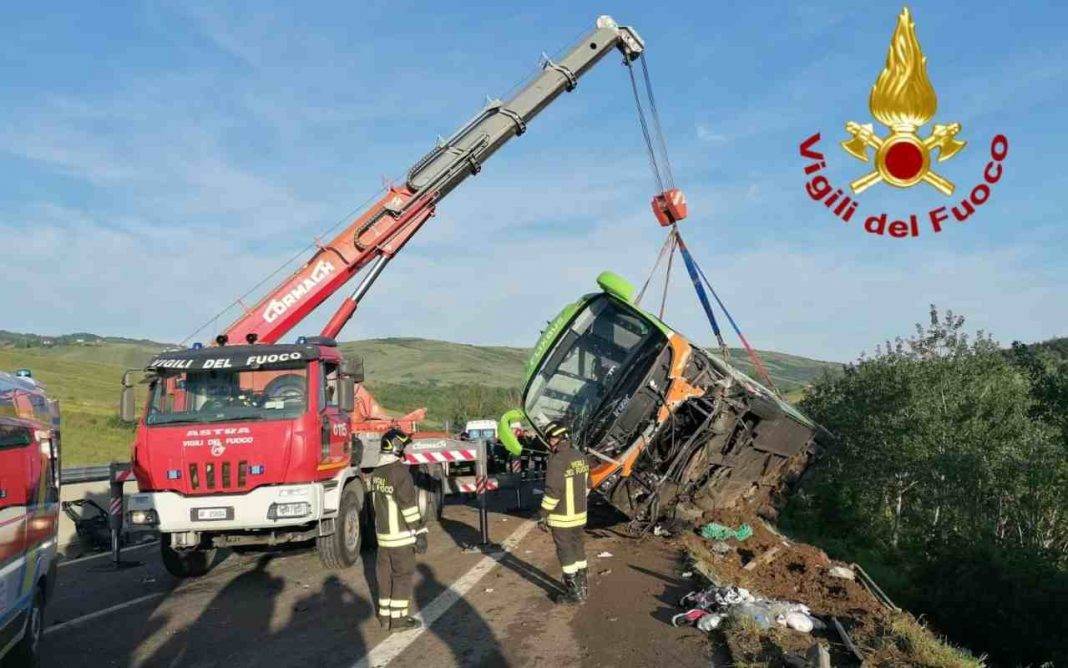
[(394, 442), (556, 430)]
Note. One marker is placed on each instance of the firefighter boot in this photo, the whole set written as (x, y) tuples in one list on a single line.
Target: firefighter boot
[(582, 582), (568, 596), (405, 623)]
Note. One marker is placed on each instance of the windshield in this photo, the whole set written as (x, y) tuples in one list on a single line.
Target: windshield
[(604, 344), (223, 395)]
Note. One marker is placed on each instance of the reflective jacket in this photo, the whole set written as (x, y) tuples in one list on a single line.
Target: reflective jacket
[(396, 504), (566, 485)]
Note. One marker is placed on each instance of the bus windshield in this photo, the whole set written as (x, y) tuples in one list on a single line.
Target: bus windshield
[(220, 395), (603, 344)]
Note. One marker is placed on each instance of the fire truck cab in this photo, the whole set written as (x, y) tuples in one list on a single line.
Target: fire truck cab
[(29, 518), (247, 445)]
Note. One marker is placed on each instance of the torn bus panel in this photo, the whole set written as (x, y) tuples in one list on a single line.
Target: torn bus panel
[(663, 421)]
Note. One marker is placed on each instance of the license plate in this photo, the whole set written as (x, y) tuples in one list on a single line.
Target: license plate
[(210, 514)]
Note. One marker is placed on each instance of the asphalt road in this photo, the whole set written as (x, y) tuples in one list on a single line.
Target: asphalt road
[(283, 608)]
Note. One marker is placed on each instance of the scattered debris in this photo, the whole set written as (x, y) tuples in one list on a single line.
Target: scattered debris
[(658, 530), (606, 571), (716, 531), (605, 555), (710, 621), (803, 573), (764, 558), (489, 590), (846, 639), (841, 572), (875, 590), (720, 547), (687, 574), (818, 657), (740, 602)]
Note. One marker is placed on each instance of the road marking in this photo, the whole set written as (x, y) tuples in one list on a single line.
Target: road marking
[(390, 648), (105, 554), (100, 613)]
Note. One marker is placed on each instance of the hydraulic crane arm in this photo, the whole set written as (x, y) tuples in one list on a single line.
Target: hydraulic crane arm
[(379, 233)]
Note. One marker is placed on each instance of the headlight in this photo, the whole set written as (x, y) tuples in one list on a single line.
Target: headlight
[(142, 517), (279, 511)]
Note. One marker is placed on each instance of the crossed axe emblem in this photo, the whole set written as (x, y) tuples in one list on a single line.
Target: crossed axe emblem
[(902, 159)]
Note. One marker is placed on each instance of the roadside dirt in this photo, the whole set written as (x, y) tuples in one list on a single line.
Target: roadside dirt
[(770, 565)]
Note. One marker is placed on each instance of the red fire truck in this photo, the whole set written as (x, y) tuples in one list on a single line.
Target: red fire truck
[(250, 441), (29, 513)]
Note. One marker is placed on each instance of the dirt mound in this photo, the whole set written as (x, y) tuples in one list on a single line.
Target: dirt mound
[(770, 565)]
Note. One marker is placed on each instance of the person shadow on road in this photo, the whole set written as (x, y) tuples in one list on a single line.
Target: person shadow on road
[(462, 629)]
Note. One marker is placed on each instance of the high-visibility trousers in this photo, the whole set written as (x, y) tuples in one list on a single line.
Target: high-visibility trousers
[(395, 567), (569, 548)]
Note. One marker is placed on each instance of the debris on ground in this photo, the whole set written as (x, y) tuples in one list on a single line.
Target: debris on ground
[(605, 555), (716, 531), (720, 602), (755, 585)]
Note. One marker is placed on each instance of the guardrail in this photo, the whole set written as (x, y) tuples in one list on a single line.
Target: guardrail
[(85, 474)]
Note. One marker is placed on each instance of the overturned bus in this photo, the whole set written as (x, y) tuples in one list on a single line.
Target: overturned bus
[(665, 423)]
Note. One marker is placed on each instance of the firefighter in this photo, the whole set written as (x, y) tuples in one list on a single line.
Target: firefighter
[(563, 510), (400, 529)]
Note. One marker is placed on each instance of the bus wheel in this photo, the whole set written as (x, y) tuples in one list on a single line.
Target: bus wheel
[(185, 563), (341, 549)]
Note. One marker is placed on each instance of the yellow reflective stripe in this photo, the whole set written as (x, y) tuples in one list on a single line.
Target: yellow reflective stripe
[(569, 494), (411, 509), (419, 531), (384, 602), (396, 614), (384, 612), (400, 604), (570, 569), (391, 514), (549, 503), (565, 521), (581, 564), (396, 542)]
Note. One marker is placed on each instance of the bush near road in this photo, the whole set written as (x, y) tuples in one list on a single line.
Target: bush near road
[(949, 482)]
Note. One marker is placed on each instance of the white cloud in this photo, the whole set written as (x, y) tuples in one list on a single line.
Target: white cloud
[(705, 134)]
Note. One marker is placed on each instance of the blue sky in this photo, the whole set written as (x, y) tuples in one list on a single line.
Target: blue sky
[(157, 160)]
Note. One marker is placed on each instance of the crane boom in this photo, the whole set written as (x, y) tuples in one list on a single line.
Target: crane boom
[(376, 236)]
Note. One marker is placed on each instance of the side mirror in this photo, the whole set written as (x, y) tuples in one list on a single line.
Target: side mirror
[(505, 433), (353, 368), (127, 402), (346, 394)]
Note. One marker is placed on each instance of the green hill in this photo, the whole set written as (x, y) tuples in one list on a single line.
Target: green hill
[(452, 380)]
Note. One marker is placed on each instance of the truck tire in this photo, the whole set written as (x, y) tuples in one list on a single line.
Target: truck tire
[(185, 563), (341, 549), (26, 653)]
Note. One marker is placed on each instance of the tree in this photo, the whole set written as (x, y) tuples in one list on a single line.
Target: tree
[(946, 448)]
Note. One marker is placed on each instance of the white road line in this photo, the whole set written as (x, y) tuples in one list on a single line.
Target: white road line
[(106, 554), (100, 613), (391, 647)]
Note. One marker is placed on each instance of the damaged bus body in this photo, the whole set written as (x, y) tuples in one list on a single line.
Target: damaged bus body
[(664, 423)]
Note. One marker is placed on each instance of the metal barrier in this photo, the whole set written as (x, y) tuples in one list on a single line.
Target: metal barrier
[(71, 476)]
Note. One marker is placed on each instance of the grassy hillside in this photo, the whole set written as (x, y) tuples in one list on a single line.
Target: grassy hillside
[(402, 360), (88, 392), (452, 380)]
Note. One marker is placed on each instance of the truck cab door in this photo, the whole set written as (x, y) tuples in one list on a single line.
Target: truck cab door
[(335, 438)]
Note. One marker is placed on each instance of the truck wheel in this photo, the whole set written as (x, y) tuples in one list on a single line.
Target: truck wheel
[(341, 549), (185, 563), (26, 654)]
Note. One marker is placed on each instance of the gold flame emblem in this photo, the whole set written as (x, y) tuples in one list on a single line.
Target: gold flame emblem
[(903, 99)]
